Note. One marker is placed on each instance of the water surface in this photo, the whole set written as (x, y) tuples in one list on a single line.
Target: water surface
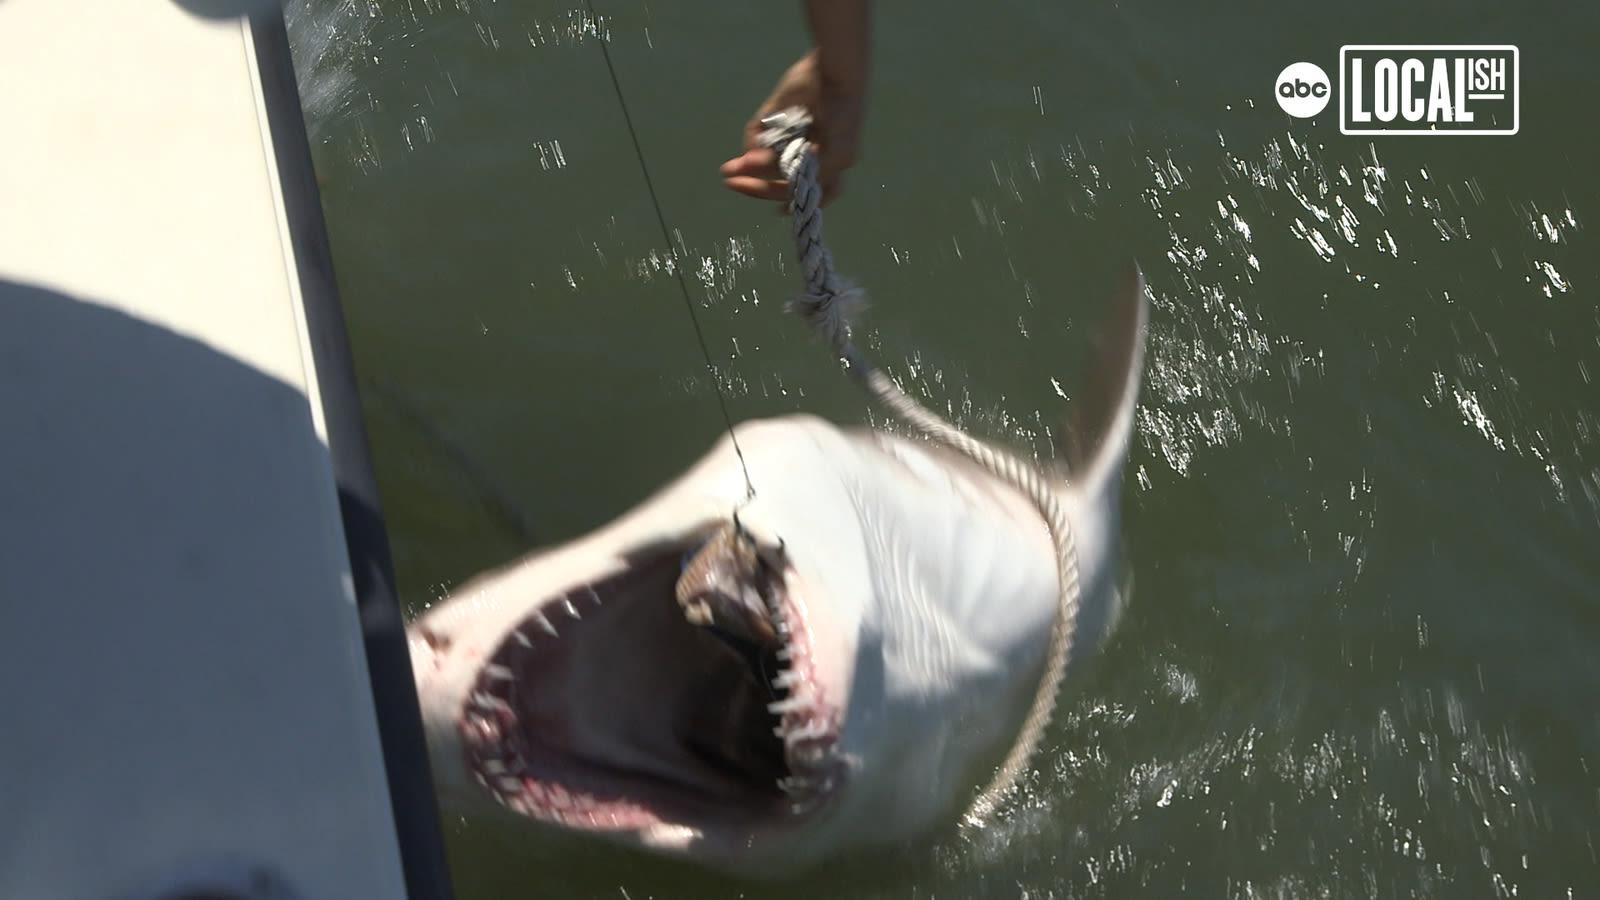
[(1363, 505)]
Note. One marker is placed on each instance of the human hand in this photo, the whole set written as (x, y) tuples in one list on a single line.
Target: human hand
[(836, 103)]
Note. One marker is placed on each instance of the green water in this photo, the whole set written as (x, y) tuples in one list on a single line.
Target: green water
[(1363, 505)]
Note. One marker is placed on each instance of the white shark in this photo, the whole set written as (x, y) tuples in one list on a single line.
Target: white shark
[(761, 683)]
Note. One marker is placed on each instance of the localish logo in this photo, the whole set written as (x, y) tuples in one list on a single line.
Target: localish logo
[(1438, 89), (1303, 89)]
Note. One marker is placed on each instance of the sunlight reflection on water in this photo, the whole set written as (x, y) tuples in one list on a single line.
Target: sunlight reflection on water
[(1360, 515)]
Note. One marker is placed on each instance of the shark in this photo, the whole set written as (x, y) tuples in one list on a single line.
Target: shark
[(761, 681)]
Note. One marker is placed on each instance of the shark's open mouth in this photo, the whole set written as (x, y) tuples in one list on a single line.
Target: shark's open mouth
[(608, 708)]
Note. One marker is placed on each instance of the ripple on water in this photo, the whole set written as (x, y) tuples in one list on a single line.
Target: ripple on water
[(1366, 485)]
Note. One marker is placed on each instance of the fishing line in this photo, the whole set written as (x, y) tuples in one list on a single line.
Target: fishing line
[(672, 247)]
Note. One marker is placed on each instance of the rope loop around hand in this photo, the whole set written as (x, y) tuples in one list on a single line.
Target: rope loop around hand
[(829, 306)]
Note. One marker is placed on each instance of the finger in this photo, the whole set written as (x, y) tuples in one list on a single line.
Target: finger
[(760, 188), (759, 163), (753, 129)]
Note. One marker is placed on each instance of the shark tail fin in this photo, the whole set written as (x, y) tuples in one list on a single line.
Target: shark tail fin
[(1095, 441)]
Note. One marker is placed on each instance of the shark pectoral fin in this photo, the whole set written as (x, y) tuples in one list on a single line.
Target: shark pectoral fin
[(1103, 416)]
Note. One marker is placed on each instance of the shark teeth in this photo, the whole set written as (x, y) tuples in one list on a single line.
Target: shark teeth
[(484, 728), (794, 785), (538, 618), (538, 624), (809, 730), (805, 792), (529, 779), (808, 724), (786, 706)]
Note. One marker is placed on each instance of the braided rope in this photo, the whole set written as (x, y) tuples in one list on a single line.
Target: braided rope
[(829, 306)]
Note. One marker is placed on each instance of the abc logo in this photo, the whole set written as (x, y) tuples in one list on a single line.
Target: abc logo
[(1303, 89)]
